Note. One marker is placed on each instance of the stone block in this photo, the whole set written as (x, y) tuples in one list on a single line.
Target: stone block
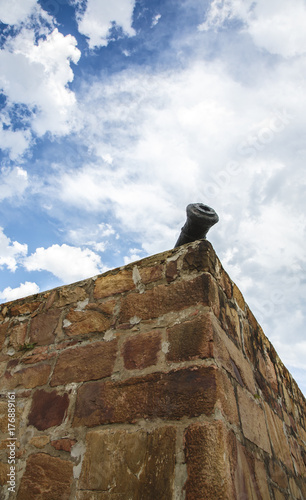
[(39, 441), (111, 284), (207, 460), (3, 331), (46, 478), (171, 271), (29, 377), (151, 274), (42, 328), (48, 409), (163, 299), (135, 464), (25, 308), (17, 334), (188, 392), (85, 322), (278, 438), (253, 421), (141, 350), (238, 297), (90, 362), (278, 475), (64, 444), (200, 258), (191, 339), (68, 295), (4, 471)]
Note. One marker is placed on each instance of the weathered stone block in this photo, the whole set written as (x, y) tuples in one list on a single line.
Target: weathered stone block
[(278, 438), (64, 444), (111, 284), (130, 464), (151, 274), (278, 475), (28, 378), (42, 330), (3, 331), (207, 459), (191, 339), (253, 421), (190, 392), (46, 478), (25, 308), (48, 409), (90, 362), (141, 350), (200, 258), (18, 334), (163, 299), (84, 322), (39, 441)]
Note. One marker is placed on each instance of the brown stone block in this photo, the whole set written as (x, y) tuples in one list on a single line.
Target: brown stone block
[(267, 370), (111, 284), (200, 258), (4, 470), (46, 478), (278, 495), (48, 409), (141, 350), (188, 392), (129, 464), (253, 421), (191, 339), (151, 274), (207, 459), (69, 295), (89, 362), (64, 444), (225, 283), (28, 378), (42, 330), (3, 331), (17, 334), (278, 475), (238, 297), (38, 354), (278, 438), (295, 490), (163, 299), (84, 322), (26, 308), (171, 271)]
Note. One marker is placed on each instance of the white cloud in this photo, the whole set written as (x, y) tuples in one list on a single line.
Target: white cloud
[(277, 26), (13, 182), (16, 11), (25, 289), (11, 252), (36, 76), (66, 262), (99, 16)]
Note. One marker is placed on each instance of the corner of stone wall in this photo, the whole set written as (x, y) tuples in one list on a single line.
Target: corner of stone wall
[(150, 381)]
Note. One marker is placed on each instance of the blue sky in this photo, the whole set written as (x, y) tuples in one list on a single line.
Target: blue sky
[(116, 115)]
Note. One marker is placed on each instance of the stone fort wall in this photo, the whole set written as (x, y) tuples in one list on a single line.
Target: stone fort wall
[(152, 381)]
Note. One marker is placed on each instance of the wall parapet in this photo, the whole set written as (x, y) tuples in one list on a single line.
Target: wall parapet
[(153, 380)]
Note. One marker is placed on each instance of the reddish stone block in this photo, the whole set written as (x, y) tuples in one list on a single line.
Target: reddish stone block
[(17, 334), (42, 329), (208, 471), (48, 409), (111, 284), (141, 351), (28, 378), (191, 339), (90, 362), (151, 274), (163, 299), (171, 271), (84, 322), (64, 444), (200, 258), (47, 478), (189, 392)]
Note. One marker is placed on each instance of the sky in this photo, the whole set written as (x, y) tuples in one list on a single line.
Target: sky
[(116, 115)]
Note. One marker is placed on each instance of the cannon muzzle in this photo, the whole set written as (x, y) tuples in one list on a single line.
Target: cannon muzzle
[(200, 218)]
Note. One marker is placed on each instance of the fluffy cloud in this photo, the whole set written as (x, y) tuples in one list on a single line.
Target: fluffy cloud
[(277, 26), (10, 252), (16, 11), (99, 17), (25, 289), (34, 79), (66, 262), (13, 182)]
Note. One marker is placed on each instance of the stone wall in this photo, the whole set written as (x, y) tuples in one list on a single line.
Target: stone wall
[(152, 381)]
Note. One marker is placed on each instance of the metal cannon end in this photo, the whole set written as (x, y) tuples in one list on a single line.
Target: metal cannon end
[(200, 218)]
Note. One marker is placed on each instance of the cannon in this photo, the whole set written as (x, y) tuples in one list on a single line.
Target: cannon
[(200, 218)]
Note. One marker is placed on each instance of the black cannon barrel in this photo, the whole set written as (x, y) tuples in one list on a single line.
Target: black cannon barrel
[(200, 218)]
